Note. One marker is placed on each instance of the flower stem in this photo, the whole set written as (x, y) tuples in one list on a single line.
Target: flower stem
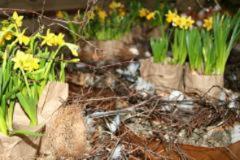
[(51, 61), (26, 82)]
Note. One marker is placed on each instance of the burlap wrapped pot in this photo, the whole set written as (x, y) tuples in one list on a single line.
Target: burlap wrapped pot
[(209, 85), (107, 51), (164, 77), (26, 147)]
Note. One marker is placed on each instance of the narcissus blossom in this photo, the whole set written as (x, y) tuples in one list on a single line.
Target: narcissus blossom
[(207, 23), (25, 61), (17, 19)]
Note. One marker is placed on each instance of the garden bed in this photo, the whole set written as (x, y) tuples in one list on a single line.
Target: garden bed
[(122, 123)]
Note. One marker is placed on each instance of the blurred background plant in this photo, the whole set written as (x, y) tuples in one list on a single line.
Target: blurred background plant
[(104, 23)]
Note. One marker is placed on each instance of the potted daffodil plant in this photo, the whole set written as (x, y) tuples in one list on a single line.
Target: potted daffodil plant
[(165, 68), (208, 51), (107, 30), (28, 63)]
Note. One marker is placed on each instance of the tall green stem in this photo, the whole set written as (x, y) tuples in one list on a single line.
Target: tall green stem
[(49, 64), (26, 81)]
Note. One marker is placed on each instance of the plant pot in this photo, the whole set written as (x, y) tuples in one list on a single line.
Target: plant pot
[(26, 147), (108, 51), (210, 85), (65, 134), (164, 77)]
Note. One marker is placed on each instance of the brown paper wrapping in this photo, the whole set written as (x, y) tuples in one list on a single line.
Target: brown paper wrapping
[(203, 84), (165, 77), (107, 51), (25, 147)]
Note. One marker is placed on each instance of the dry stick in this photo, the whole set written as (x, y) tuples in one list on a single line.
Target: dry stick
[(102, 99), (234, 156), (42, 16), (183, 155), (42, 13), (125, 110), (3, 10), (114, 149), (210, 89), (39, 14), (72, 32), (145, 148)]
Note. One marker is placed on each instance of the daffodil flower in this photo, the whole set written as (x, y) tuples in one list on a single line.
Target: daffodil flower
[(189, 22), (143, 12), (90, 15), (115, 5), (8, 36), (52, 39), (73, 48), (48, 38), (59, 39), (176, 21), (7, 33), (102, 15), (207, 23), (171, 16), (183, 22), (17, 19), (22, 39), (122, 12), (60, 15), (150, 16), (25, 61)]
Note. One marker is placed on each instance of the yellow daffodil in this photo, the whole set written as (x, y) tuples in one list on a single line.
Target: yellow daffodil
[(102, 15), (59, 39), (7, 33), (183, 22), (143, 12), (17, 19), (189, 22), (176, 21), (22, 39), (90, 15), (52, 39), (73, 48), (207, 23), (8, 36), (60, 15), (25, 61), (171, 16), (48, 39), (122, 12), (115, 5), (150, 16)]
